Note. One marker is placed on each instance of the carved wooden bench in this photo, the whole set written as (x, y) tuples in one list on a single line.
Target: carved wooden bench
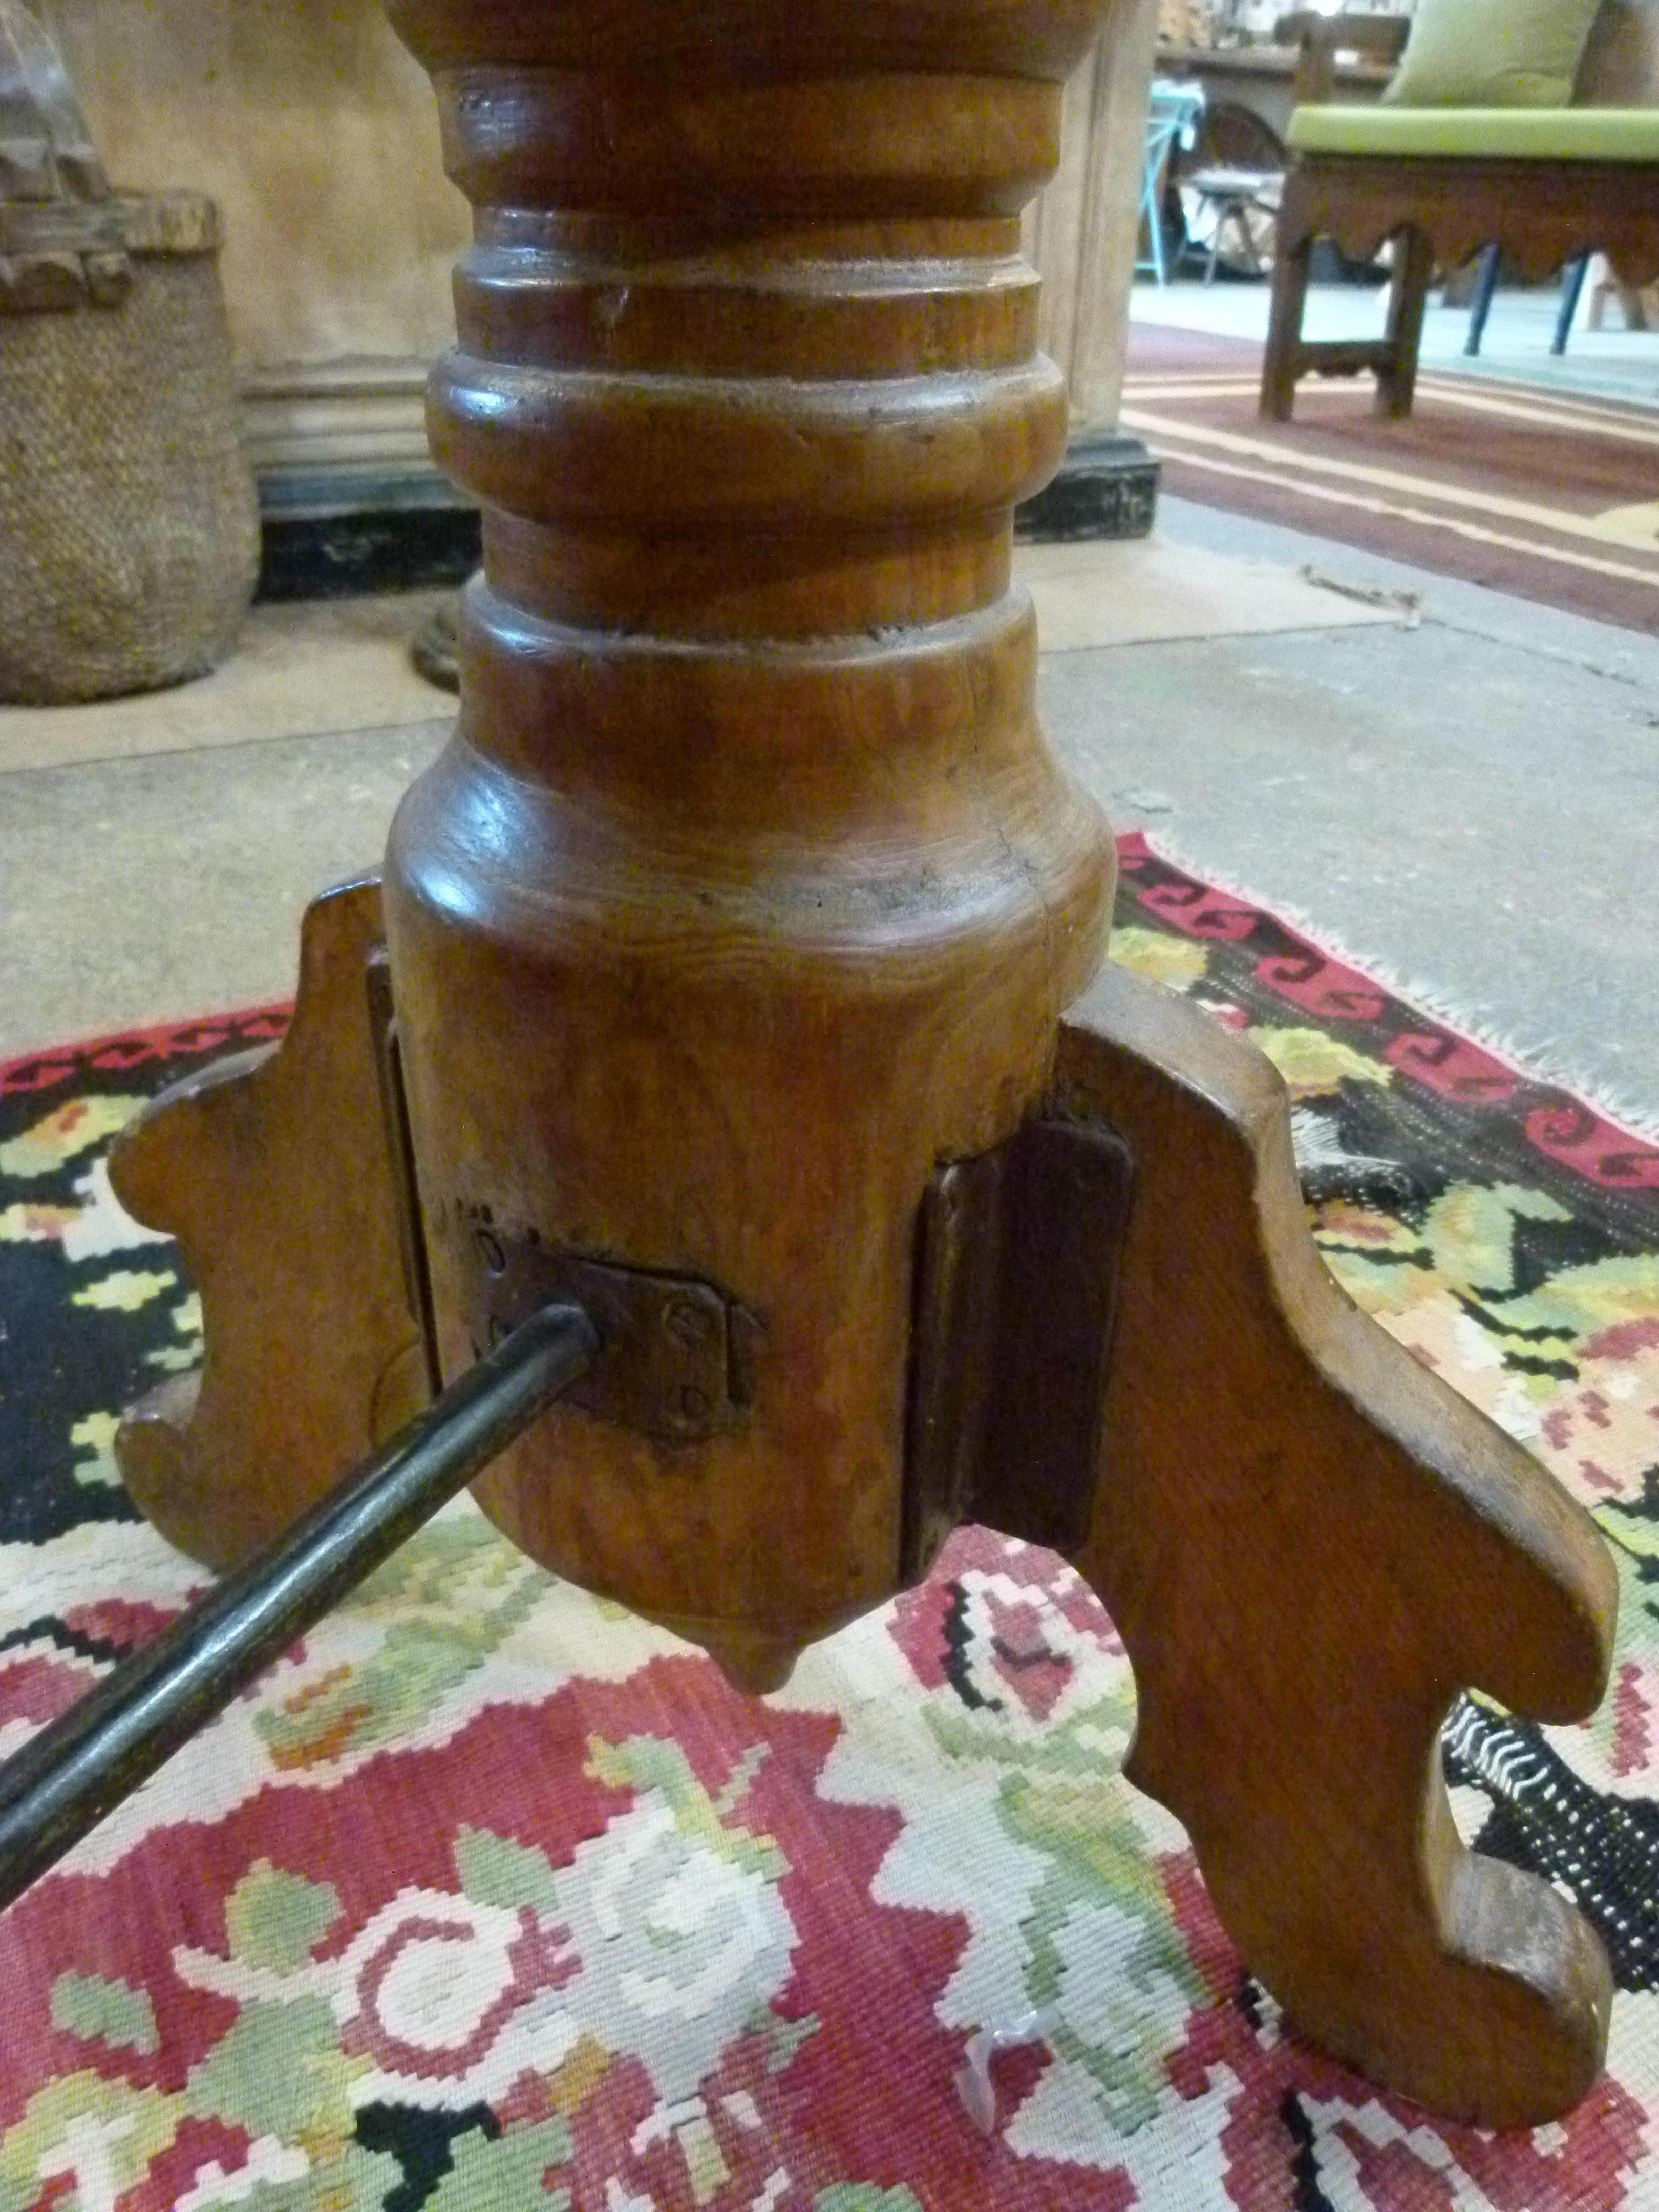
[(1548, 184)]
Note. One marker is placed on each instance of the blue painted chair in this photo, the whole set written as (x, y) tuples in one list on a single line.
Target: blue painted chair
[(1572, 283), (1171, 120)]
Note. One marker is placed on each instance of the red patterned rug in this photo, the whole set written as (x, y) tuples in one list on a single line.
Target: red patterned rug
[(491, 1898), (1534, 490)]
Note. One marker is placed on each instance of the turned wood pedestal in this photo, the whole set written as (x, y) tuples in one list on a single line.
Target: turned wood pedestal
[(725, 952)]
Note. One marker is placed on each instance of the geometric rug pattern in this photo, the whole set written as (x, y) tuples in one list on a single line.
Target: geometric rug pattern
[(488, 1896)]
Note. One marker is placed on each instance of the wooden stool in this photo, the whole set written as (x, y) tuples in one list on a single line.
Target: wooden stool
[(727, 948), (1233, 197)]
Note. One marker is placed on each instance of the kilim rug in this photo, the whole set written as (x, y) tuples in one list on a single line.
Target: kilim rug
[(491, 1898), (1537, 492)]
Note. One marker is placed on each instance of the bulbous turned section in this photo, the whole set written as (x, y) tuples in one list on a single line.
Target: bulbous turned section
[(748, 888)]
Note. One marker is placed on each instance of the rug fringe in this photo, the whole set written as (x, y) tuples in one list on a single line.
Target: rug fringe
[(1539, 1060)]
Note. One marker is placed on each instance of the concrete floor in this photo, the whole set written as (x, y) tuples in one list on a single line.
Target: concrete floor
[(1468, 806), (1458, 787), (155, 854)]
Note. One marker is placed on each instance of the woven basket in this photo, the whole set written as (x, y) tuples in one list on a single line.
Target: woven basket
[(129, 526)]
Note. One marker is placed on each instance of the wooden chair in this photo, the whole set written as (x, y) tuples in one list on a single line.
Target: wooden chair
[(1548, 184)]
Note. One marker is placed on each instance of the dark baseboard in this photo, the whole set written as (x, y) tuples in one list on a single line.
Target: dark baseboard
[(382, 549), (1106, 487)]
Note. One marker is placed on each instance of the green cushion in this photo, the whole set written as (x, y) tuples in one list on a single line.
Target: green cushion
[(1492, 53), (1525, 134)]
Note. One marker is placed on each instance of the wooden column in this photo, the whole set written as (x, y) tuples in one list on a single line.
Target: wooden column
[(1084, 233), (749, 889), (315, 134)]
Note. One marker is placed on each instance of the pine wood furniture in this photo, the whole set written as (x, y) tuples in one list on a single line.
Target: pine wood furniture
[(727, 953)]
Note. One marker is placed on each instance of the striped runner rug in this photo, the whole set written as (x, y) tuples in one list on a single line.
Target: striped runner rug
[(1532, 491)]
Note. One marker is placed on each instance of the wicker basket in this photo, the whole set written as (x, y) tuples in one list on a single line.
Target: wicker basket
[(129, 526)]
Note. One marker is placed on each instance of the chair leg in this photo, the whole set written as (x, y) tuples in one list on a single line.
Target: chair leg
[(1569, 291), (1250, 238), (1396, 381), (1480, 306), (1279, 366)]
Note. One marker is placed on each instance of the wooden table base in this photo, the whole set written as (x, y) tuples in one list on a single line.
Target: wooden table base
[(747, 895)]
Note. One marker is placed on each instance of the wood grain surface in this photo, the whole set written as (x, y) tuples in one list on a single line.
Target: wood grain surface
[(749, 887), (1311, 1545), (746, 894), (272, 1170)]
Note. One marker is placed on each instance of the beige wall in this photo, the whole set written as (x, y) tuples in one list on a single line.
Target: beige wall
[(317, 135), (1620, 67)]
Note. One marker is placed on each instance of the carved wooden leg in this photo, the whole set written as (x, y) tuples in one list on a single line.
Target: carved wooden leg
[(273, 1170), (1408, 292), (1282, 364), (746, 895), (1311, 1545)]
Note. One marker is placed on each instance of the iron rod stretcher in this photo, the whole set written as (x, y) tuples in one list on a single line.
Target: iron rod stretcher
[(81, 1766)]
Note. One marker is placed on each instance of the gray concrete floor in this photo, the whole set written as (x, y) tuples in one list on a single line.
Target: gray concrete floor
[(155, 852), (137, 891), (1468, 806), (1466, 803)]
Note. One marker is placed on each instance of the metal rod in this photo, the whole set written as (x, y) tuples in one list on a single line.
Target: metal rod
[(67, 1778)]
